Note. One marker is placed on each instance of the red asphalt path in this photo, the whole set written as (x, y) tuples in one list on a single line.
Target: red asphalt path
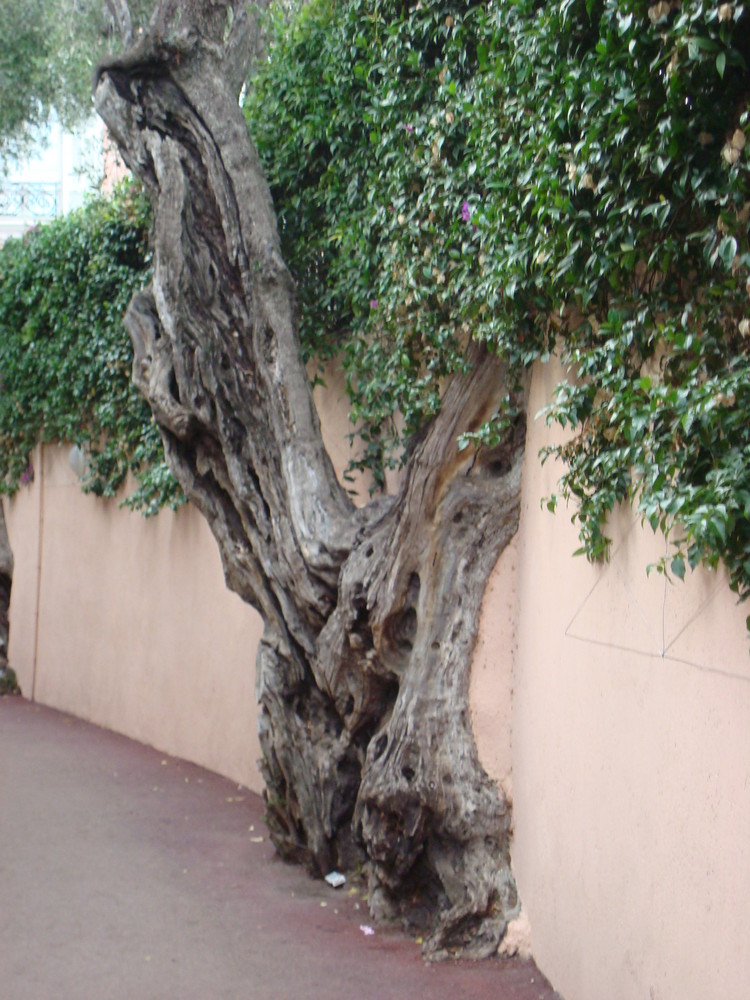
[(126, 874)]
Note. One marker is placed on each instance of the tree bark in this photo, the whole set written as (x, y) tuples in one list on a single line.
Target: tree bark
[(119, 11), (6, 580), (370, 614)]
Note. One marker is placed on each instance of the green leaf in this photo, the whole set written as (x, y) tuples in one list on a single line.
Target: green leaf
[(727, 251), (678, 567)]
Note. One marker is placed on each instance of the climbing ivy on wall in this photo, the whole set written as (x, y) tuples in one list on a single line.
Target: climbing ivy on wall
[(65, 358), (566, 177)]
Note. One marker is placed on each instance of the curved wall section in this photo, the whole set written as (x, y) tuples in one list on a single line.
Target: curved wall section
[(126, 622)]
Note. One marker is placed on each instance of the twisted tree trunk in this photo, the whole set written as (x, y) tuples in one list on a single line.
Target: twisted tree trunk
[(6, 579), (371, 614)]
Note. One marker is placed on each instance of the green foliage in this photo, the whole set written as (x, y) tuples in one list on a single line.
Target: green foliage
[(65, 358), (8, 682), (48, 52), (648, 110), (569, 177), (23, 74), (354, 120)]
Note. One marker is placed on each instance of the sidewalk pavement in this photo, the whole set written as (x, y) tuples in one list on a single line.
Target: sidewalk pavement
[(126, 874)]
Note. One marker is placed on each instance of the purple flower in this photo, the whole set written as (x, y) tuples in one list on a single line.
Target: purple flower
[(409, 128), (466, 212), (373, 303)]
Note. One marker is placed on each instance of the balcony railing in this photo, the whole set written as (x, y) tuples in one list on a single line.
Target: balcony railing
[(35, 199)]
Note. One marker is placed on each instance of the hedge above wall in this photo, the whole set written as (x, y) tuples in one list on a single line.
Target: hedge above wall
[(65, 358), (568, 177)]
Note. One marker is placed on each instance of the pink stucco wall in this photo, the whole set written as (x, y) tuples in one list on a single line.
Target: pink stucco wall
[(129, 624), (613, 707), (630, 748)]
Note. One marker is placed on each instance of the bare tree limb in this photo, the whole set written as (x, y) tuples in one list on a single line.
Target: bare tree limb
[(120, 13)]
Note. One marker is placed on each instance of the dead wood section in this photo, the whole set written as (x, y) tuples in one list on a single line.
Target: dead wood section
[(371, 614)]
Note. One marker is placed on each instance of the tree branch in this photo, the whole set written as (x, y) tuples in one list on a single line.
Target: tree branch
[(217, 266), (120, 14)]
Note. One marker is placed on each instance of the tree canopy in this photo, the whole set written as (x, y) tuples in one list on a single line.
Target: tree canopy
[(65, 362), (47, 58)]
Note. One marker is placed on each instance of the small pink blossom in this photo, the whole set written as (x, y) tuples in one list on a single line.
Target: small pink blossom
[(373, 303), (366, 930), (466, 212), (409, 129)]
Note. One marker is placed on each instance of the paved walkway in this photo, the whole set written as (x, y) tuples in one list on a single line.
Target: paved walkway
[(129, 875)]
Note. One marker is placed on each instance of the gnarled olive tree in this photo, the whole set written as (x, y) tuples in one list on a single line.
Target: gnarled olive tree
[(370, 614), (6, 579)]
